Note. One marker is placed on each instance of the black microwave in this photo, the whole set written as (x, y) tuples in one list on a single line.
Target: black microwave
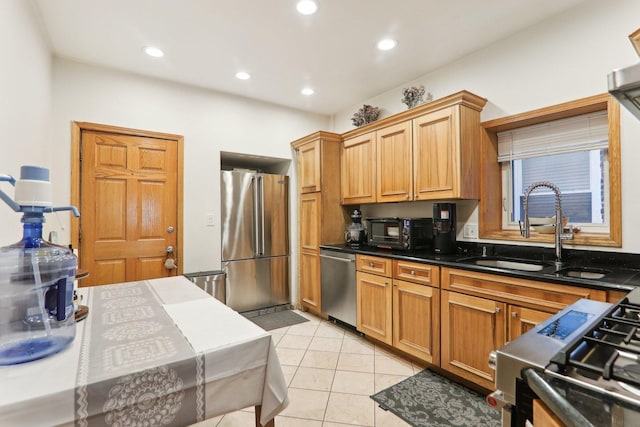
[(408, 234)]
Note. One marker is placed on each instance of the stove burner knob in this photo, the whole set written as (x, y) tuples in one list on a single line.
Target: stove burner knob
[(493, 360), (492, 401)]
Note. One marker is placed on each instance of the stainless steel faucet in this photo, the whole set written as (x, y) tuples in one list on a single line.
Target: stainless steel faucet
[(560, 236)]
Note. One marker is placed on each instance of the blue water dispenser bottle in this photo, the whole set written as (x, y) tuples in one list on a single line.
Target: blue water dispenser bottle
[(36, 277)]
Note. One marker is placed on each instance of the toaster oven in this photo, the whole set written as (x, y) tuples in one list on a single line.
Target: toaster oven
[(408, 234)]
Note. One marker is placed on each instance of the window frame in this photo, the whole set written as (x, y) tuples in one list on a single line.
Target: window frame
[(509, 168), (490, 205)]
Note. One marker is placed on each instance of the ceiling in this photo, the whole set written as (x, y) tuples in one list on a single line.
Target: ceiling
[(333, 51)]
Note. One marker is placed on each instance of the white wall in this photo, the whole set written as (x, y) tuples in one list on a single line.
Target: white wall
[(25, 103), (209, 121), (562, 59)]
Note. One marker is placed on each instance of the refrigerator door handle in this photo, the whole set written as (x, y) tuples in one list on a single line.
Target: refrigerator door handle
[(256, 214), (262, 248)]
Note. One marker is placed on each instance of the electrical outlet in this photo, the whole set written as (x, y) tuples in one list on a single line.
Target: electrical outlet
[(470, 231), (211, 220)]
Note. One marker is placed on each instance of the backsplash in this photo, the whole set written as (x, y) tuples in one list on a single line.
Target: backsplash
[(583, 257)]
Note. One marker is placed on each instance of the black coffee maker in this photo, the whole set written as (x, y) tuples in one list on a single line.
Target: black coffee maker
[(444, 228)]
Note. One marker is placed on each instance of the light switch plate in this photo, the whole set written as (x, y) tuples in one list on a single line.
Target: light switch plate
[(470, 231), (211, 220)]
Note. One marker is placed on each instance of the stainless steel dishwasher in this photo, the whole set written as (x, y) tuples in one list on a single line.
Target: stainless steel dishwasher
[(338, 290)]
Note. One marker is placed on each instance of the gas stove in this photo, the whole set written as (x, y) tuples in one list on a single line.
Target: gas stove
[(589, 349)]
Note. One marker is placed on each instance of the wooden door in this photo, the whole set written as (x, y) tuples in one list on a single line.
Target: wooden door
[(416, 320), (522, 320), (394, 172), (358, 164), (435, 151), (309, 158), (373, 312), (129, 207), (472, 328)]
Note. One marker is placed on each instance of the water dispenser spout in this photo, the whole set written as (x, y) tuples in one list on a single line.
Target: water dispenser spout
[(32, 194)]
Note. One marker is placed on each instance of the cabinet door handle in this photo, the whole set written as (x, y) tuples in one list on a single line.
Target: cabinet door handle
[(413, 272), (371, 265), (498, 309), (514, 314)]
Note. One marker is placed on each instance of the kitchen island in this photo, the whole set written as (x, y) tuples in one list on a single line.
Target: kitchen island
[(161, 350)]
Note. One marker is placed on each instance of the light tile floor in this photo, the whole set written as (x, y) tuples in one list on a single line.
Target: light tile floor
[(331, 372)]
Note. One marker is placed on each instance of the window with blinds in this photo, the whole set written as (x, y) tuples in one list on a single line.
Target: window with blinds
[(571, 153)]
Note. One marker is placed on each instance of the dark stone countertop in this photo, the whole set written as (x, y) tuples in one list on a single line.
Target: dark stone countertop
[(622, 269)]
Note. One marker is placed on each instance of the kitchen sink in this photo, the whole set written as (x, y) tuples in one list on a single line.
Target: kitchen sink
[(583, 272), (506, 263)]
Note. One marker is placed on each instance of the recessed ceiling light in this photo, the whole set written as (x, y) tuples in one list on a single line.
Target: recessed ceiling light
[(307, 7), (307, 91), (243, 75), (153, 51), (387, 44)]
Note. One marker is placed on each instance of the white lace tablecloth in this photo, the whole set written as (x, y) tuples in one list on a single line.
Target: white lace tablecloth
[(158, 352)]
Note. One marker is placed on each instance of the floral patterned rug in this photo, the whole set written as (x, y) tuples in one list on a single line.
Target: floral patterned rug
[(428, 399)]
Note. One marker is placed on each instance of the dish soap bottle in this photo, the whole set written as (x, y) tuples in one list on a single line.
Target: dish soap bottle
[(36, 277)]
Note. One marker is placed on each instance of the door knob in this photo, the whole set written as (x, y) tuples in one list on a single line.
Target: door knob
[(169, 249), (514, 314), (170, 229), (498, 309)]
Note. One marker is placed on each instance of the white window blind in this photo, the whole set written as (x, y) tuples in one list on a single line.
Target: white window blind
[(580, 133)]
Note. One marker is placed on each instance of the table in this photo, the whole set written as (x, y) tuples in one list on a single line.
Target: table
[(156, 352)]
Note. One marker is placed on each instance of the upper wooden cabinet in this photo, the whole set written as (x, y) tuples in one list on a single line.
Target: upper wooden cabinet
[(394, 170), (358, 167), (430, 152), (309, 171), (446, 154)]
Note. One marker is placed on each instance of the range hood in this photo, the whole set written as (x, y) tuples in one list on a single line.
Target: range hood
[(624, 83)]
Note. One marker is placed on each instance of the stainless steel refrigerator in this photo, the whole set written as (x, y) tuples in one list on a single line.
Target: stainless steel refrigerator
[(255, 239)]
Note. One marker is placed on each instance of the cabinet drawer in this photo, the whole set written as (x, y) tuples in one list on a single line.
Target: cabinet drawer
[(373, 264), (527, 293), (416, 272)]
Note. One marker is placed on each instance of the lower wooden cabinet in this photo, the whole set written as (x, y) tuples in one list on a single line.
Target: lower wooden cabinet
[(472, 328), (416, 320), (400, 313), (481, 312), (310, 280), (453, 318), (522, 320), (374, 307), (543, 416)]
